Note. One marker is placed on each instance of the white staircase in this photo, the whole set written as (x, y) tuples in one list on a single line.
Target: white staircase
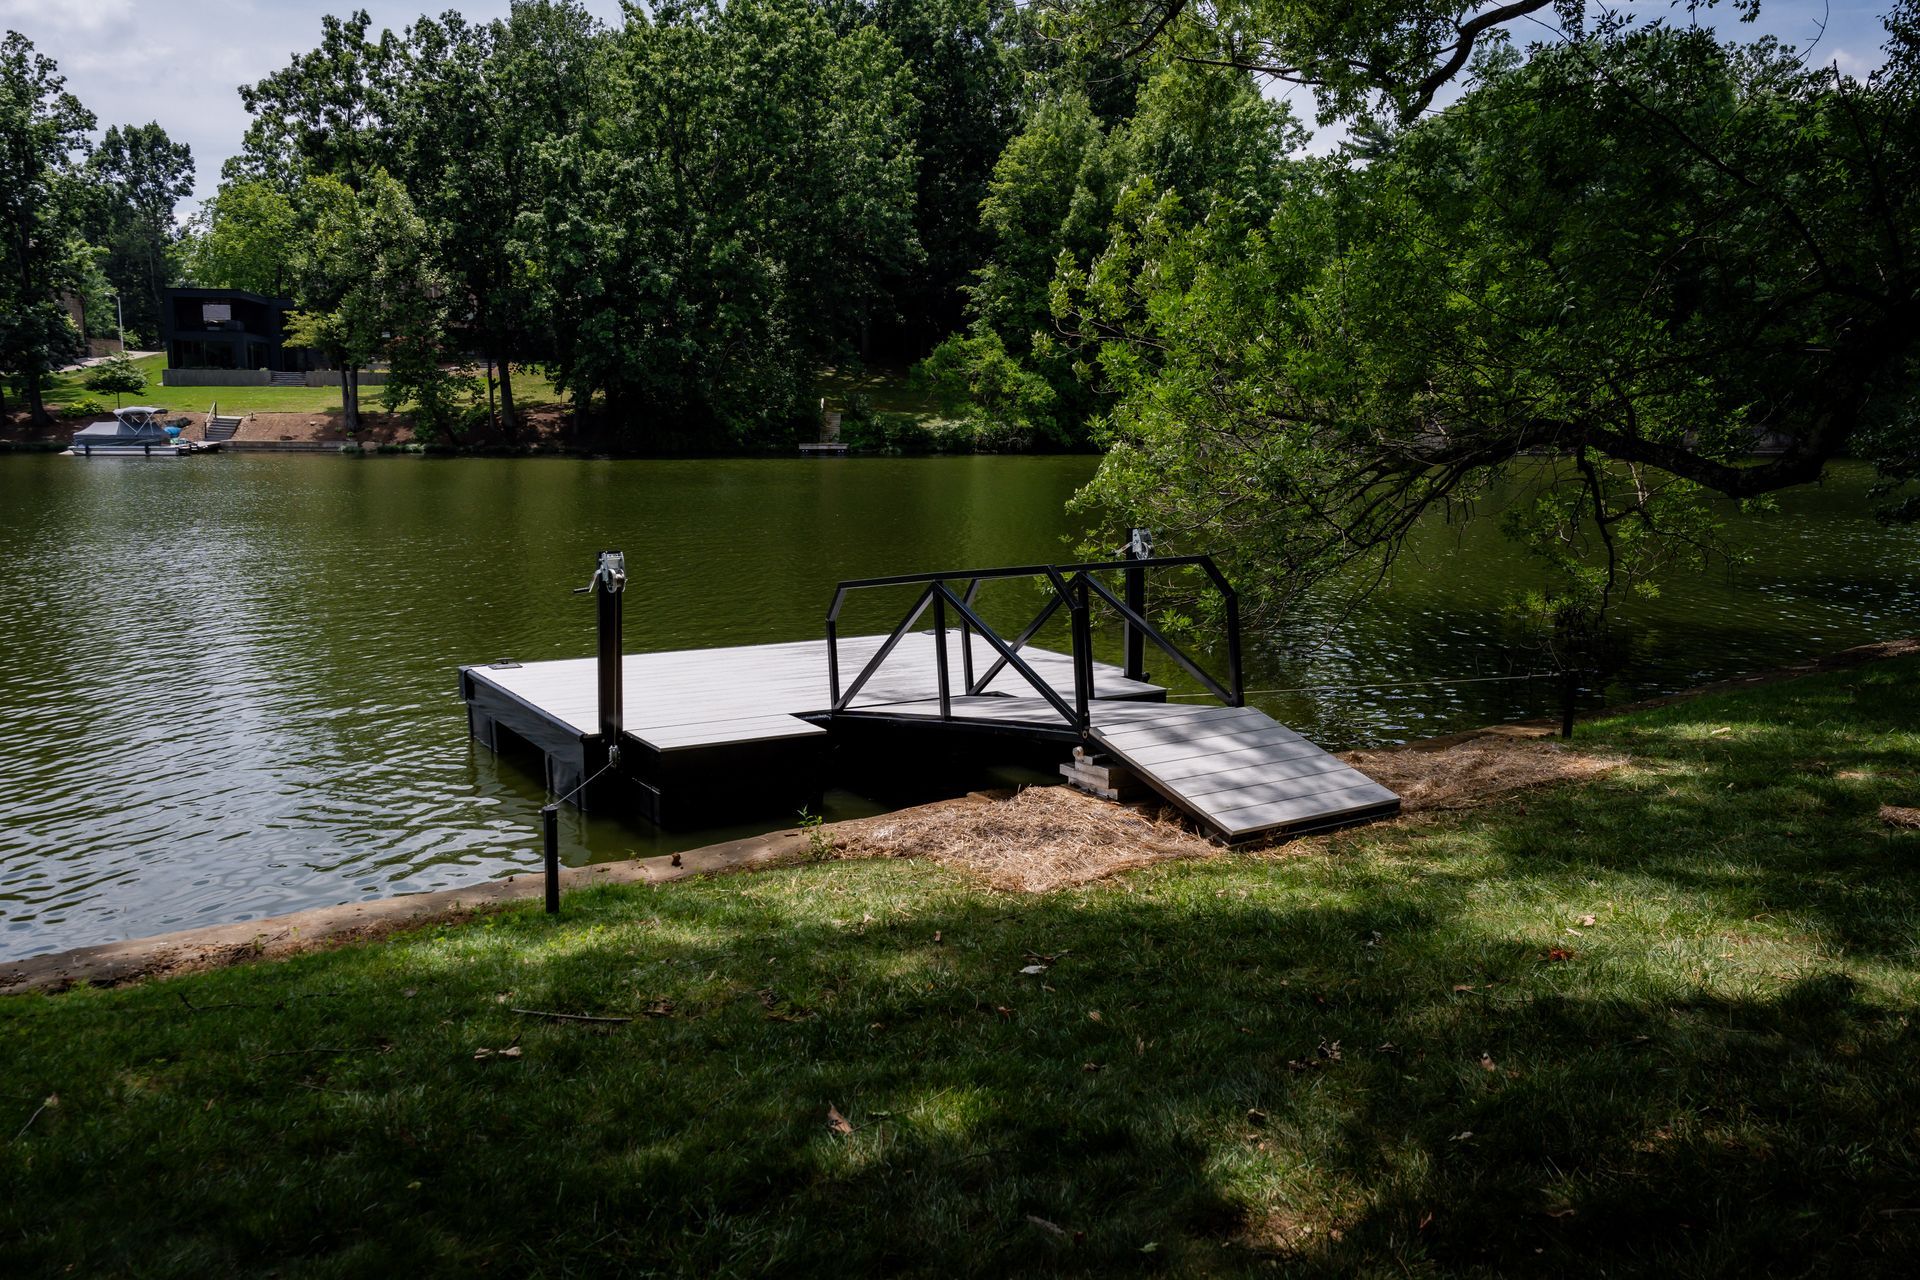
[(220, 429)]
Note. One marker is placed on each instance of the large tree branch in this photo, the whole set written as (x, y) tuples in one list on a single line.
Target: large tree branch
[(1470, 32)]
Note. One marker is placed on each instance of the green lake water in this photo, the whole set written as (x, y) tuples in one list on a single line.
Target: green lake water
[(229, 686)]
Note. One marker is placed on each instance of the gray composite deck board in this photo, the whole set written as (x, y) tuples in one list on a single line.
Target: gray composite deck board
[(1242, 773), (1233, 768), (698, 697)]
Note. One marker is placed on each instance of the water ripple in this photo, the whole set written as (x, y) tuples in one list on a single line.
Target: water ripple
[(230, 686)]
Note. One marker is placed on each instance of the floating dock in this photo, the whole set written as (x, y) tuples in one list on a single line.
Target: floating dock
[(681, 735)]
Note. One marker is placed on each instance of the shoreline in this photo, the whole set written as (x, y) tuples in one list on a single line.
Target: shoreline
[(317, 928)]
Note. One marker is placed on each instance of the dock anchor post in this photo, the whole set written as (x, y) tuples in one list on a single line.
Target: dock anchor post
[(1139, 547), (609, 582), (550, 830)]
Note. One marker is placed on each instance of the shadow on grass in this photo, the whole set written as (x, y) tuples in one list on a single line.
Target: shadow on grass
[(1632, 1027)]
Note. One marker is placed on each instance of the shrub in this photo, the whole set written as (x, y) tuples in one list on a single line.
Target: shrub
[(116, 375)]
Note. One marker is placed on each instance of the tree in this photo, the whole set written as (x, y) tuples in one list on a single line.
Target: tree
[(141, 174), (43, 129), (324, 113), (243, 238), (1051, 204), (471, 107), (723, 218), (1633, 257), (1392, 56), (963, 74), (367, 288), (118, 374)]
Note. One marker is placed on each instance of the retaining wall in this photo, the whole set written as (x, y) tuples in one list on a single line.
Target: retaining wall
[(331, 378), (215, 378)]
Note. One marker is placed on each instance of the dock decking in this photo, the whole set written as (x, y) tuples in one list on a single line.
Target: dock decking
[(1234, 770)]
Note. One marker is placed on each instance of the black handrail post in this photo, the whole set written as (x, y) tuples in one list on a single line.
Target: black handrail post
[(940, 647), (550, 830), (833, 662), (1082, 650), (1139, 547), (966, 636)]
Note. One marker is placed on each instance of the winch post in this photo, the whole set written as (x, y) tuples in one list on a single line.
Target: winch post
[(608, 586), (1139, 547)]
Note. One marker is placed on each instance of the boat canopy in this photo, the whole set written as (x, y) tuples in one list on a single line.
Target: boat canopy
[(129, 426)]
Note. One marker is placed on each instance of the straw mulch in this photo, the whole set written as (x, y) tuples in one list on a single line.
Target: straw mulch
[(1900, 816), (1046, 838), (1468, 773), (1039, 839)]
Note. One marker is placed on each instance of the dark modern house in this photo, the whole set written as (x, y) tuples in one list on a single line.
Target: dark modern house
[(228, 331)]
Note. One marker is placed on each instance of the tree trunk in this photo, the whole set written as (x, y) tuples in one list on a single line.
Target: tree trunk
[(37, 414), (350, 397), (506, 396)]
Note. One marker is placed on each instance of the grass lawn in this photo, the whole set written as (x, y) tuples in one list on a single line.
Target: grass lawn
[(531, 388), (886, 390), (1661, 1024)]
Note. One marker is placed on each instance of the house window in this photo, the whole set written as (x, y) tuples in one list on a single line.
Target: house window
[(216, 313)]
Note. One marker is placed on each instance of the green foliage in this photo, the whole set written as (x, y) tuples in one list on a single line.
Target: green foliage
[(962, 64), (116, 374), (1643, 254), (1386, 58), (366, 274), (819, 843), (1051, 209), (719, 230), (322, 114), (43, 201), (469, 108), (975, 376), (139, 174), (243, 238)]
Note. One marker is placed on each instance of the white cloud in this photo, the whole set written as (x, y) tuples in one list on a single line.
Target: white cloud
[(77, 16), (182, 62), (1853, 64)]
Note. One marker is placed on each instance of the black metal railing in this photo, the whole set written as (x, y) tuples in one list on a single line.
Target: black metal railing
[(1074, 587)]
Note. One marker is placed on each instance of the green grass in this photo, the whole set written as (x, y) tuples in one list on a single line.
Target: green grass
[(532, 388), (887, 391), (1395, 1051)]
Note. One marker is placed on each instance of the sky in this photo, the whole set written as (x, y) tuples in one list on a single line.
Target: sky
[(181, 62)]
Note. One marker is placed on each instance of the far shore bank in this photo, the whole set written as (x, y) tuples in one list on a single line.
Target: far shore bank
[(1449, 771)]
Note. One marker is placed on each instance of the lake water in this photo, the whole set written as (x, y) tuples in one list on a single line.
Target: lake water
[(229, 685)]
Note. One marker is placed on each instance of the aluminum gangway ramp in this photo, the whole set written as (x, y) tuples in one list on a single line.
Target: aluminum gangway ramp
[(1237, 771)]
